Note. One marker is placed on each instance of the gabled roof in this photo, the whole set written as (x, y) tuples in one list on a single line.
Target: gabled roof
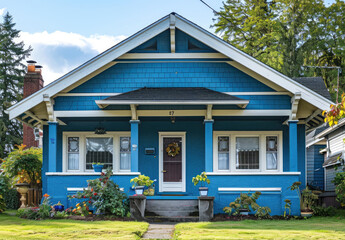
[(173, 95), (316, 84), (106, 59)]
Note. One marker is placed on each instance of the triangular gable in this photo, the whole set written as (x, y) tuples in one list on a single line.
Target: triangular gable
[(243, 61)]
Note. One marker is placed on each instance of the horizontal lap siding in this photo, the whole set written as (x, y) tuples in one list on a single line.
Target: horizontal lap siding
[(336, 144), (315, 171)]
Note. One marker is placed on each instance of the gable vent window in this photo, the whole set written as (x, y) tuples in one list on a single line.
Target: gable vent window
[(193, 47), (151, 47)]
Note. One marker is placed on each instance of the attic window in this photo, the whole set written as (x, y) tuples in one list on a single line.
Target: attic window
[(151, 47), (192, 46)]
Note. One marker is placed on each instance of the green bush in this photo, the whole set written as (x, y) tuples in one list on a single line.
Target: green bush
[(12, 199), (28, 213), (105, 196), (339, 181), (324, 211)]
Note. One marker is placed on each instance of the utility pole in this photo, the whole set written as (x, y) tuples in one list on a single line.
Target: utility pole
[(330, 67)]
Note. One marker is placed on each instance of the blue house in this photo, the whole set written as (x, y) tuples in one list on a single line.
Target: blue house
[(175, 84)]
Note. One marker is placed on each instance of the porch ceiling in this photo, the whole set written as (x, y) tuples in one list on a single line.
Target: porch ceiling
[(173, 96)]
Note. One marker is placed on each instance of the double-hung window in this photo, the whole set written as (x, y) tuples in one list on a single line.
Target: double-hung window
[(247, 151), (82, 149)]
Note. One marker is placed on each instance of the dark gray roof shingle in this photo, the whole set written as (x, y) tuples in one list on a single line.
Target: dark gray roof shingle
[(316, 84), (173, 93)]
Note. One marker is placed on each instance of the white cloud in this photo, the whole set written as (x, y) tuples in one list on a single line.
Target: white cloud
[(2, 11), (59, 52)]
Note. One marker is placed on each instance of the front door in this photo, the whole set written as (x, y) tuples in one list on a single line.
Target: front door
[(172, 162)]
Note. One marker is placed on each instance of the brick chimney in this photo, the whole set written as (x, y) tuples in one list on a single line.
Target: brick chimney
[(33, 82)]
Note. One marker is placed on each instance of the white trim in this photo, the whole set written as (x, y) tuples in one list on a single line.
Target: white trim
[(172, 187), (251, 173), (331, 129), (315, 141), (115, 94), (166, 113), (104, 103), (151, 31), (228, 189), (78, 189), (90, 173), (82, 150), (262, 150), (255, 65), (150, 56)]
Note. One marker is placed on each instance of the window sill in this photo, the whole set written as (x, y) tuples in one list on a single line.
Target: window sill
[(89, 173), (251, 173)]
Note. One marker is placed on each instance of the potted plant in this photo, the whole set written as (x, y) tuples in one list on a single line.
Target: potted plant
[(97, 167), (59, 207), (203, 180), (150, 190), (140, 182), (306, 198), (243, 204)]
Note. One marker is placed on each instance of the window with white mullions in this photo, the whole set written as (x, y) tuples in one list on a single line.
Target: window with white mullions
[(99, 150), (223, 153), (73, 153), (271, 152), (247, 153), (125, 153)]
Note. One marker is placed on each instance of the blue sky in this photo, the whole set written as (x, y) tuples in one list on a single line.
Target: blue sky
[(66, 33)]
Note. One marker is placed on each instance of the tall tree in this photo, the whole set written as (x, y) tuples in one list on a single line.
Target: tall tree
[(12, 70), (277, 32)]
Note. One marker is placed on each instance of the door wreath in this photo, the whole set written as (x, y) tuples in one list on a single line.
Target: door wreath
[(173, 149)]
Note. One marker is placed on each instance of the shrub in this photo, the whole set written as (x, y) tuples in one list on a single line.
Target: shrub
[(28, 213), (263, 212), (324, 211), (339, 181), (105, 196), (24, 165), (142, 180), (247, 202), (12, 199)]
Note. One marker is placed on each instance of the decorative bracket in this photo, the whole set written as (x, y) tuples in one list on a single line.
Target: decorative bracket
[(294, 105), (209, 112), (134, 112), (50, 108), (172, 32)]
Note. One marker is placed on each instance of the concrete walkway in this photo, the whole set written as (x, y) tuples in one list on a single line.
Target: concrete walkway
[(160, 231)]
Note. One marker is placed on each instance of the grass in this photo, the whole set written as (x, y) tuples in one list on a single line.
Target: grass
[(12, 227), (313, 228)]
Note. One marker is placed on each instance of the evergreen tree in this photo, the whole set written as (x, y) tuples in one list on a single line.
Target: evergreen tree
[(12, 70)]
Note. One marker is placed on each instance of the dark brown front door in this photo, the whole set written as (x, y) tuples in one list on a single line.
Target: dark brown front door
[(172, 159)]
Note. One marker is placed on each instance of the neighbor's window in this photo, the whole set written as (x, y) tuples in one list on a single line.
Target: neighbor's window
[(223, 153), (125, 153), (99, 150), (271, 152), (73, 153), (247, 153)]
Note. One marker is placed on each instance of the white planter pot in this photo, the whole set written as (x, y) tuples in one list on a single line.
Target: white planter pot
[(139, 190), (203, 191)]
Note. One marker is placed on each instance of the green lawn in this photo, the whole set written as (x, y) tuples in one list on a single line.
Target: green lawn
[(313, 228), (12, 227)]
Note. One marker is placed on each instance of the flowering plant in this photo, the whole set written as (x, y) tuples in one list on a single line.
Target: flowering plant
[(142, 180), (103, 195)]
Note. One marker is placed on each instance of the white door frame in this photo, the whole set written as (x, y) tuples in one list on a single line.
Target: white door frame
[(178, 186)]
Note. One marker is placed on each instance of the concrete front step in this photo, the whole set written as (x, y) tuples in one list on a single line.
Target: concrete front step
[(161, 219), (171, 208)]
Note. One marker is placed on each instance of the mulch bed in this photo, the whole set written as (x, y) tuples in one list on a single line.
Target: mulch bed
[(226, 217), (99, 218)]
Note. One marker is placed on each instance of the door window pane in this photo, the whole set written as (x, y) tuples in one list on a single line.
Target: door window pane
[(73, 153), (125, 153), (247, 153), (271, 152), (223, 153), (99, 150)]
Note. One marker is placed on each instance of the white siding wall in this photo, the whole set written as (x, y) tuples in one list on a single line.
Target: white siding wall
[(336, 144)]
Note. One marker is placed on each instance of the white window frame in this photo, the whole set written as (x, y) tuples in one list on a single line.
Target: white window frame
[(262, 150), (82, 149)]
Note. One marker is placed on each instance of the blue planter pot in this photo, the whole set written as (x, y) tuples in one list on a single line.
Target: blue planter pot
[(59, 208), (97, 168)]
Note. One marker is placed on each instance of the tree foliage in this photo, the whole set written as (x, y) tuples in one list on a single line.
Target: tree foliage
[(12, 70), (288, 35)]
